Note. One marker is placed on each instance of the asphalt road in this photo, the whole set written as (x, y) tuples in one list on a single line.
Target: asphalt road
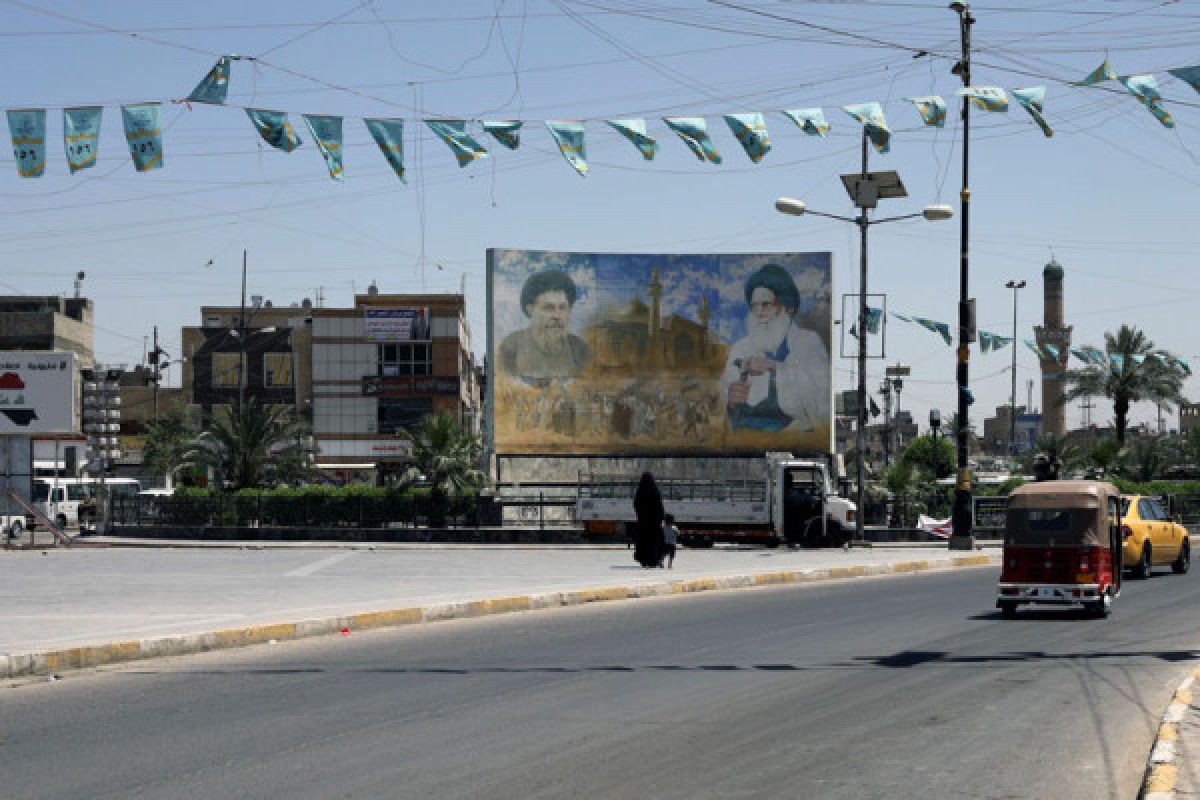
[(907, 687)]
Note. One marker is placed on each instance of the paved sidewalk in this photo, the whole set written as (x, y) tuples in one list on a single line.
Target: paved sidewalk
[(126, 603)]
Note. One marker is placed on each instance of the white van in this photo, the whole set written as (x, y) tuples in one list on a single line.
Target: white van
[(59, 501)]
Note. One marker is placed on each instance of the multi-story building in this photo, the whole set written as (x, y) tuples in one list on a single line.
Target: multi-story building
[(382, 366), (272, 346), (48, 323), (1189, 416)]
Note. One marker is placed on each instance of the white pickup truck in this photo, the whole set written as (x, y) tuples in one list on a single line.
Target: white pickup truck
[(796, 503)]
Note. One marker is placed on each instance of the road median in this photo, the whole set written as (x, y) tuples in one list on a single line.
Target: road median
[(50, 662)]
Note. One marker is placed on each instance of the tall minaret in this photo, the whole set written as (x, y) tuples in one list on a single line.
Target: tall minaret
[(1053, 340)]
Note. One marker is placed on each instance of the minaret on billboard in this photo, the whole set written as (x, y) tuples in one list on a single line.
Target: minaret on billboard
[(1053, 341)]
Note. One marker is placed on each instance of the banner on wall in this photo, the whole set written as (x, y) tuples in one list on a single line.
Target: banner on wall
[(600, 353), (396, 324)]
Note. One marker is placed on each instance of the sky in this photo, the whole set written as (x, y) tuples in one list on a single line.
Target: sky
[(1111, 195)]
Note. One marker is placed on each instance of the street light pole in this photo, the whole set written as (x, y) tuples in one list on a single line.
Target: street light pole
[(1012, 402), (865, 190), (861, 433), (961, 539)]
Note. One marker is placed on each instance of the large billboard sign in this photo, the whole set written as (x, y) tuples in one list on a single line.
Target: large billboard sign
[(37, 392), (627, 354)]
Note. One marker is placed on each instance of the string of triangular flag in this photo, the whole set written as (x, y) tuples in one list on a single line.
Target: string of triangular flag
[(81, 125), (991, 342)]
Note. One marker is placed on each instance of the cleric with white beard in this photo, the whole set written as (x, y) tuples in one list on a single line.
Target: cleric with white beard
[(777, 376)]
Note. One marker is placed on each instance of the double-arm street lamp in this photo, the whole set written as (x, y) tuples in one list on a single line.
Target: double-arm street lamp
[(865, 190)]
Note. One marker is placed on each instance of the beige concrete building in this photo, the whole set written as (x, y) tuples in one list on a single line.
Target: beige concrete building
[(48, 323), (383, 365)]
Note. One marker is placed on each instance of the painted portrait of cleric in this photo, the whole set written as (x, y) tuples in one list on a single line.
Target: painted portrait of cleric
[(545, 350), (777, 376)]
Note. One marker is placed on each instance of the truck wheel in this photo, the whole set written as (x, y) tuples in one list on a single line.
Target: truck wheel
[(1141, 570), (14, 530), (1180, 565), (61, 521), (835, 535), (1008, 609)]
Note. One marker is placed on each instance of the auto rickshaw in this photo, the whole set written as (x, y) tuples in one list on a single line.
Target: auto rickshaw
[(1062, 547)]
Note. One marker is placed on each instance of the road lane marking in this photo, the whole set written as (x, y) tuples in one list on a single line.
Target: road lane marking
[(304, 572)]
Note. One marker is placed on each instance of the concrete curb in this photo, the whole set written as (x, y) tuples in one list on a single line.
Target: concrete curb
[(47, 663), (1162, 767)]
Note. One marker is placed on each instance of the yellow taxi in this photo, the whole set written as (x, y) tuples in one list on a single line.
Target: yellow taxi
[(1152, 538)]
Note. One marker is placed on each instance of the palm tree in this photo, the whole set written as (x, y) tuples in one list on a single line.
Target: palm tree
[(1145, 459), (252, 442), (1135, 371), (169, 440), (1052, 456), (1104, 457), (444, 455)]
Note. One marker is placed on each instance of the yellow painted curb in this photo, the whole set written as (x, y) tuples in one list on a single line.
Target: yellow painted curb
[(1184, 696), (697, 585), (385, 619), (1160, 778), (847, 572), (597, 595), (256, 634), (500, 605), (971, 561), (910, 566), (1168, 732), (768, 578), (78, 657)]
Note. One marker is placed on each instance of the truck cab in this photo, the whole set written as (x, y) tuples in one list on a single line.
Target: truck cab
[(806, 508)]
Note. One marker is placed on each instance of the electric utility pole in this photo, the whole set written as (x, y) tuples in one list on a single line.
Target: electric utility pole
[(961, 539), (242, 340)]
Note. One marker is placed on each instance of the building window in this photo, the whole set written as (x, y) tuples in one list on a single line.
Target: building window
[(227, 369), (406, 413), (277, 369), (405, 359)]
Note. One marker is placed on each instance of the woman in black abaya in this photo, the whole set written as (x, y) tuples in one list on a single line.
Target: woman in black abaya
[(648, 507)]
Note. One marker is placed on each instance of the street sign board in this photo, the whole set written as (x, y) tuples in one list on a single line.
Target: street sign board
[(37, 392)]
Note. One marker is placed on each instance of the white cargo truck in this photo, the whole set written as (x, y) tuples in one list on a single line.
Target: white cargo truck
[(795, 503)]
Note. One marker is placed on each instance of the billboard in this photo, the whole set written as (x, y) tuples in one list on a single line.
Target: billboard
[(37, 392), (628, 354)]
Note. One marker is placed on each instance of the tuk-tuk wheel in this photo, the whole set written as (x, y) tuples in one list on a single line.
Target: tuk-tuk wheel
[(1101, 608), (1008, 610)]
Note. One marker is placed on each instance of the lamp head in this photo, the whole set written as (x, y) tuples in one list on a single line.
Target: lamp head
[(938, 213), (787, 205), (957, 7)]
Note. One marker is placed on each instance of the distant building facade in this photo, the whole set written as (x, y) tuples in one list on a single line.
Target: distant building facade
[(48, 323), (384, 366)]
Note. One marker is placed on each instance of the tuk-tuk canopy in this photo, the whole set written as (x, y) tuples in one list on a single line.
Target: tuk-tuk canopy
[(1060, 513)]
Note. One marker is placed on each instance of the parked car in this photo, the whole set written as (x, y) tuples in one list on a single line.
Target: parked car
[(1152, 538)]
